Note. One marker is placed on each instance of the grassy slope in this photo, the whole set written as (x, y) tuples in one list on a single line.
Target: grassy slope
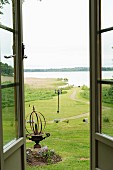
[(68, 107), (106, 108), (70, 140)]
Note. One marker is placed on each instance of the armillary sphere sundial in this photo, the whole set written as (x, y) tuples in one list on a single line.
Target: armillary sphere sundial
[(35, 124)]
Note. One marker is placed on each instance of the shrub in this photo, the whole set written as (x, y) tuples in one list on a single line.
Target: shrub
[(84, 87), (107, 94), (106, 119)]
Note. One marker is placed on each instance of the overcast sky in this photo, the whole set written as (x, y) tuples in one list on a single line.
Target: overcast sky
[(56, 33)]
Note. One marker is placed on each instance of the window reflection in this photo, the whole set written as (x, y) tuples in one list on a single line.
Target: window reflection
[(107, 110), (107, 54), (7, 64), (8, 39), (7, 18)]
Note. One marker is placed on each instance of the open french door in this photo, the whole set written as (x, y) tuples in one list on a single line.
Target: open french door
[(101, 41), (12, 131)]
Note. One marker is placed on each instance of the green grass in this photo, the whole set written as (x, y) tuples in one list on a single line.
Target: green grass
[(69, 140), (9, 124), (8, 115), (107, 107), (36, 92), (67, 106), (107, 121)]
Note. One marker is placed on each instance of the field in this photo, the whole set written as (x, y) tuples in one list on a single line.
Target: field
[(69, 135), (69, 139)]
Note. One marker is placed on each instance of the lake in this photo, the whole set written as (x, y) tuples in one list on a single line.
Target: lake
[(77, 78)]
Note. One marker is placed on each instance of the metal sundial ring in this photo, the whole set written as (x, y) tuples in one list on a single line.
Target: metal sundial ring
[(35, 127)]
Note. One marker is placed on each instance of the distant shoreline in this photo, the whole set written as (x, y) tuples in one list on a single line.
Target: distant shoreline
[(66, 69)]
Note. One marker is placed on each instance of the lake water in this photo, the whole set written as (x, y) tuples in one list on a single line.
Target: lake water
[(74, 78)]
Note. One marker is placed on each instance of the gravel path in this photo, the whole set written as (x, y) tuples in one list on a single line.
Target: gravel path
[(73, 97), (75, 117)]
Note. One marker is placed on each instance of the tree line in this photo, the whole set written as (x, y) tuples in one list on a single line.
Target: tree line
[(6, 70), (66, 69)]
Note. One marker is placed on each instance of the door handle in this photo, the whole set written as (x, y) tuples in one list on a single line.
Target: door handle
[(23, 47), (10, 56), (14, 55), (24, 56)]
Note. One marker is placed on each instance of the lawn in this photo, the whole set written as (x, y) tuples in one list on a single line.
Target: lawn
[(69, 140)]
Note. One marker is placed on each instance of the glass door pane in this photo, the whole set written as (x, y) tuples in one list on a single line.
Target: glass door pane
[(7, 16), (7, 66), (106, 69), (107, 52), (8, 114), (106, 13), (9, 82), (107, 110)]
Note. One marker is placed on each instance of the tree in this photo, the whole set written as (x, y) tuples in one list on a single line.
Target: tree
[(6, 69), (2, 3)]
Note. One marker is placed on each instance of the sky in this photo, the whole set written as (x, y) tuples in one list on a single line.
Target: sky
[(56, 33)]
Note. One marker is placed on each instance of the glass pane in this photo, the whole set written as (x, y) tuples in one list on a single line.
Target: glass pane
[(107, 110), (6, 18), (6, 50), (107, 55), (106, 13), (8, 113)]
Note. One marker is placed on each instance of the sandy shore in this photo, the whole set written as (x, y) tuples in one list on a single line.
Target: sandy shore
[(34, 82), (40, 82)]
